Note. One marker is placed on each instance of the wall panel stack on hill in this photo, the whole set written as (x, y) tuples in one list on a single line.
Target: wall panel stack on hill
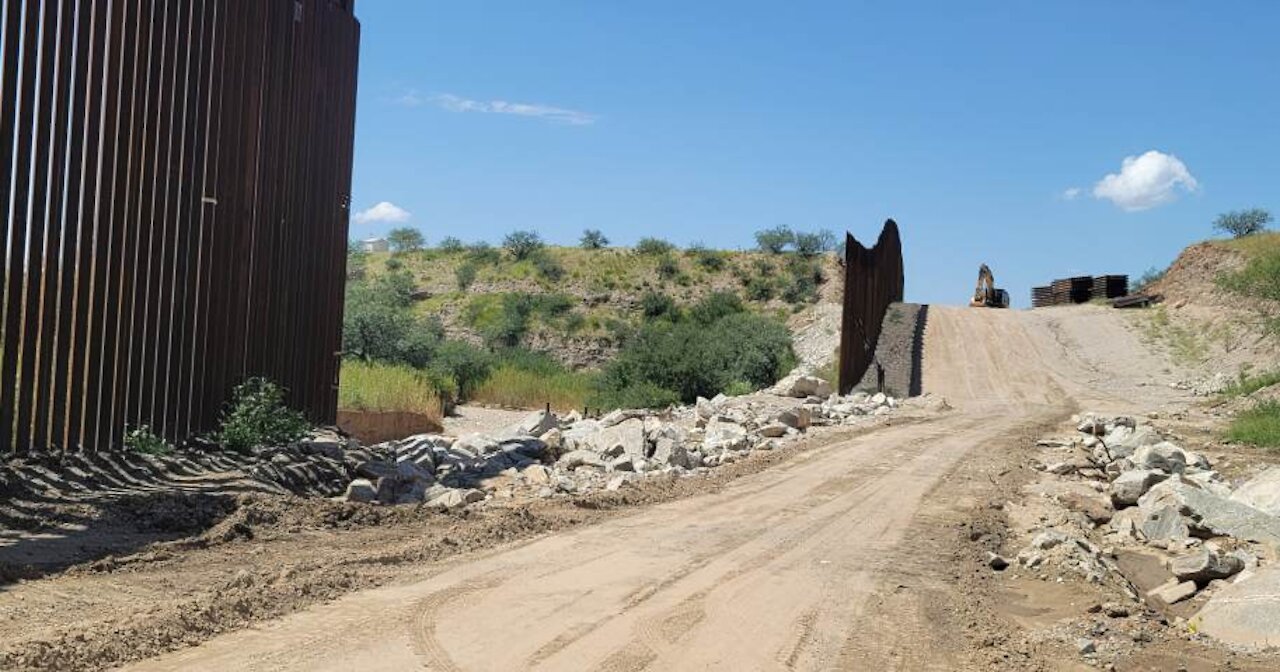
[(174, 178)]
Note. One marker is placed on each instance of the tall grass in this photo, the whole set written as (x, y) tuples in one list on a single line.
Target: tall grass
[(1258, 426), (1247, 384), (385, 388), (513, 386)]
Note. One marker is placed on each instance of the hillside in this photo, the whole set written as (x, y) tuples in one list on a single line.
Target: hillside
[(1221, 311), (585, 301)]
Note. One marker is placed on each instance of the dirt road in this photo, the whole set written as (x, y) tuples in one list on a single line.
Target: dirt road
[(772, 572)]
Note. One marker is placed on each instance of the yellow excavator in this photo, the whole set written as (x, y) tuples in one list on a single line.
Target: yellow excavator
[(986, 295)]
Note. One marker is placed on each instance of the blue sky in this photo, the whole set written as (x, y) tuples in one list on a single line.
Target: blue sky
[(988, 130)]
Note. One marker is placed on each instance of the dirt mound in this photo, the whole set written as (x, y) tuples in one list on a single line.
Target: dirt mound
[(1193, 276)]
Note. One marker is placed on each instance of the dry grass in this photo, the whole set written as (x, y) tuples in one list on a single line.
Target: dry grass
[(513, 387), (386, 388)]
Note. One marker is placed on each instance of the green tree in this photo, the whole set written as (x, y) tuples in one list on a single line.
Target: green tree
[(522, 244), (593, 239), (775, 240), (451, 245), (405, 239), (813, 244), (1241, 223)]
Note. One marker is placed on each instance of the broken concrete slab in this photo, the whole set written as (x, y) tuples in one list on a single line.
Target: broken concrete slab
[(1175, 591), (1262, 492), (1246, 613)]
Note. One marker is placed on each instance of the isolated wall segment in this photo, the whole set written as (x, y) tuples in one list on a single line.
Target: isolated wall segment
[(174, 188), (873, 279)]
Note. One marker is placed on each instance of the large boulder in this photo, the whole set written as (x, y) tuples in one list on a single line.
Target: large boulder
[(580, 458), (668, 452), (724, 436), (360, 490), (1124, 441), (1163, 456), (1207, 514), (1132, 485), (1205, 565), (796, 418), (624, 438), (536, 423), (801, 386), (1262, 492)]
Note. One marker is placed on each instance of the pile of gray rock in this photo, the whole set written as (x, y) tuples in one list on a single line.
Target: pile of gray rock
[(546, 455), (1155, 493)]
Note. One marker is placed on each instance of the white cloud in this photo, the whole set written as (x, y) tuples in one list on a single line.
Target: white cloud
[(409, 98), (383, 212), (1071, 194), (558, 115), (1146, 181)]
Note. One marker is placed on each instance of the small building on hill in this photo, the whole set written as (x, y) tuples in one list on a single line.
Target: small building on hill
[(375, 245)]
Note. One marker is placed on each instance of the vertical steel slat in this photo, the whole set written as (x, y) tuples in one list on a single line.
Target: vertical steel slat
[(52, 255), (86, 143), (10, 63), (11, 412), (125, 230), (37, 217), (103, 306)]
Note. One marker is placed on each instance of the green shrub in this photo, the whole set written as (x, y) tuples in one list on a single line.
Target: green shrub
[(522, 244), (465, 365), (1258, 426), (592, 239), (465, 274), (547, 266), (1260, 278), (636, 395), (656, 305), (257, 416), (802, 286), (377, 326), (1248, 384), (775, 240), (760, 288), (716, 306), (483, 253), (142, 440), (693, 360), (668, 267), (653, 247), (708, 259), (451, 245), (738, 388)]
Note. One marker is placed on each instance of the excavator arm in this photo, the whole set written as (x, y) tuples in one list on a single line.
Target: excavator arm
[(985, 294)]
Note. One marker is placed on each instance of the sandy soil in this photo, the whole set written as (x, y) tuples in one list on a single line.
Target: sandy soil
[(777, 570), (857, 551)]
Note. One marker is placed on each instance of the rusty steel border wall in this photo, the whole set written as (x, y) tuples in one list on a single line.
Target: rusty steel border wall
[(873, 279), (174, 182)]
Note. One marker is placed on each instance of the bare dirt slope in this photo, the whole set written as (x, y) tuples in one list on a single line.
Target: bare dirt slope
[(775, 571)]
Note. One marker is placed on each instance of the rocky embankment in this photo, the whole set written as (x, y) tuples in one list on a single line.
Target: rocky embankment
[(1120, 504), (546, 455)]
